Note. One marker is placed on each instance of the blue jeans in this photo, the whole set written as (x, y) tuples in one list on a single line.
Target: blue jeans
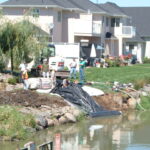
[(82, 75), (73, 73), (25, 84)]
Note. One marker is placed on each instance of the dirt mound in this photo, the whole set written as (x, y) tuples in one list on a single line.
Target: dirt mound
[(29, 98), (107, 102)]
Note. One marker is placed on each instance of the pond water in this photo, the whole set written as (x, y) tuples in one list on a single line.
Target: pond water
[(130, 131)]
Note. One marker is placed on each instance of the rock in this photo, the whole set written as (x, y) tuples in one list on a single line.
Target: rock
[(29, 129), (66, 109), (118, 99), (41, 121), (76, 112), (50, 122), (63, 120), (39, 128), (124, 106), (70, 117), (132, 103), (56, 122), (135, 94), (146, 88)]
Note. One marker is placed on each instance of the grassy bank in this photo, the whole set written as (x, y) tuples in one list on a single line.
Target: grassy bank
[(136, 74), (145, 103), (13, 124), (121, 74)]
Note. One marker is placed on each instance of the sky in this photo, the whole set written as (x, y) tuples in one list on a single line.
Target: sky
[(125, 3)]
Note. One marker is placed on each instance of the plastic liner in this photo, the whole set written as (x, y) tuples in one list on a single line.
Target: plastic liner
[(77, 96)]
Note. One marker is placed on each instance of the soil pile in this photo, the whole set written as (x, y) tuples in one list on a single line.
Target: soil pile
[(107, 102), (29, 99)]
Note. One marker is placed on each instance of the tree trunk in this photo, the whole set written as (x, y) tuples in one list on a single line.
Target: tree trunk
[(12, 64)]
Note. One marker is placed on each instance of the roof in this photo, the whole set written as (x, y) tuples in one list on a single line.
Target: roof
[(137, 39), (140, 19), (84, 5), (113, 9)]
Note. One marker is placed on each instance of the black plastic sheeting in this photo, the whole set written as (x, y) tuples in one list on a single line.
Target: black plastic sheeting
[(77, 96)]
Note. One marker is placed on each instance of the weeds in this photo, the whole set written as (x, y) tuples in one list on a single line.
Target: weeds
[(12, 122)]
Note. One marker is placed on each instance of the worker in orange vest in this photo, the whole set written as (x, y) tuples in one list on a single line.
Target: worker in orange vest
[(25, 80)]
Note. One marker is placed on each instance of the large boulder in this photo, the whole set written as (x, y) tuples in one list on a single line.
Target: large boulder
[(63, 120), (118, 99), (132, 103), (70, 117), (41, 121)]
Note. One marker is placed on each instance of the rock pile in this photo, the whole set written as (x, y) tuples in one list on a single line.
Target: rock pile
[(47, 116)]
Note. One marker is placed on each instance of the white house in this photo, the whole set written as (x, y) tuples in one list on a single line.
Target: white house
[(74, 21)]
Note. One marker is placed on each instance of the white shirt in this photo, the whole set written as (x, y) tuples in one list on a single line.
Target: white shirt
[(22, 67), (73, 64)]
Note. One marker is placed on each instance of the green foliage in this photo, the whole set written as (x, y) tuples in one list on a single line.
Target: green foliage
[(139, 83), (146, 60), (81, 116), (18, 42), (13, 123), (13, 80), (145, 102), (121, 74)]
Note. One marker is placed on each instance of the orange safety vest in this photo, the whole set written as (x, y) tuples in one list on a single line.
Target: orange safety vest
[(25, 76)]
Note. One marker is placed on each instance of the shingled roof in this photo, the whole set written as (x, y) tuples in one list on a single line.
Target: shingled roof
[(113, 9), (140, 19), (84, 5)]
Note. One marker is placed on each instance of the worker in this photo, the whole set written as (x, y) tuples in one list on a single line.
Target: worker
[(25, 79), (45, 69), (53, 78), (81, 70), (73, 66)]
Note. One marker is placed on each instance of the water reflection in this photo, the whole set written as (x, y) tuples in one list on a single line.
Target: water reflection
[(126, 132)]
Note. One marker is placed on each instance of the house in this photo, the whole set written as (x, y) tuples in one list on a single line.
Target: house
[(76, 21), (141, 20)]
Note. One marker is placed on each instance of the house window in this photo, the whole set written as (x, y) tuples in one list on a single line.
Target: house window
[(59, 16), (35, 12), (115, 22), (107, 21)]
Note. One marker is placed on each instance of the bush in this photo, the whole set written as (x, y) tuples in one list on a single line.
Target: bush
[(13, 80), (146, 60)]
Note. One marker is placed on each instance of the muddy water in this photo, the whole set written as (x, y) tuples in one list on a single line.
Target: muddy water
[(130, 131)]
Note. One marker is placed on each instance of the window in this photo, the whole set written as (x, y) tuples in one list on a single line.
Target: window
[(107, 21), (35, 12), (59, 16), (115, 22)]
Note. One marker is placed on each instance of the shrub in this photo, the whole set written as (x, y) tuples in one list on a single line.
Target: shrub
[(146, 60), (13, 80)]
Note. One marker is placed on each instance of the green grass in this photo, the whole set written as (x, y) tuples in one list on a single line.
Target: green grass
[(121, 74), (13, 123), (145, 103)]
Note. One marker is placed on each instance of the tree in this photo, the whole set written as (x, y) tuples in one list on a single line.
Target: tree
[(17, 42)]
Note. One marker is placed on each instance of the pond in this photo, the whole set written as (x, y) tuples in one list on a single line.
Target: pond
[(130, 131)]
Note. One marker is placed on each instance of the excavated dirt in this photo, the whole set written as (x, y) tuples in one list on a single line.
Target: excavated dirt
[(107, 102), (29, 98), (33, 99)]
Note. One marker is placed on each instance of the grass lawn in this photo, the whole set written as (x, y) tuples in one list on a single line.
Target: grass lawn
[(138, 74), (121, 74)]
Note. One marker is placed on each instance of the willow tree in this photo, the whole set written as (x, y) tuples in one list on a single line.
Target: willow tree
[(17, 42)]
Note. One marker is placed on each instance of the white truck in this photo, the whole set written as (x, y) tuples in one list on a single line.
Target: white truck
[(60, 56)]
